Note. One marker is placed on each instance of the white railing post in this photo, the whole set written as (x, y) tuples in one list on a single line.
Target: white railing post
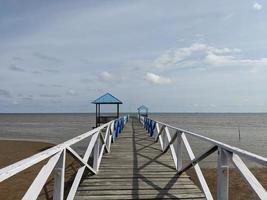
[(222, 175), (178, 149), (159, 135), (59, 173), (96, 154), (110, 133), (156, 134), (108, 138), (165, 138)]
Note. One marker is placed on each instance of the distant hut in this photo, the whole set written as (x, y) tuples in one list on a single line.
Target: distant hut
[(106, 99), (142, 111)]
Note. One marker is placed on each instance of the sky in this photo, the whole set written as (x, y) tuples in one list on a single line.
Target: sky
[(172, 56)]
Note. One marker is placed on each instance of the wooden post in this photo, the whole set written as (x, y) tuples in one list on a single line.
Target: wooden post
[(95, 115), (222, 175), (118, 110), (59, 173), (96, 154), (99, 114), (165, 138), (178, 150), (108, 136)]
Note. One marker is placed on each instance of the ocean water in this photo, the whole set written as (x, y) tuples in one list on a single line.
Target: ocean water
[(57, 128), (223, 127), (53, 128)]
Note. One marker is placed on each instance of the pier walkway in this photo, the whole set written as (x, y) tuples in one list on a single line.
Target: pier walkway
[(136, 168)]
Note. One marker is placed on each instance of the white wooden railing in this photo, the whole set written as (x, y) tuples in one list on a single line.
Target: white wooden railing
[(226, 154), (100, 142)]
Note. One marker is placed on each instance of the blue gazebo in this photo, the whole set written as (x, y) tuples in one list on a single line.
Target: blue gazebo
[(106, 99), (142, 111)]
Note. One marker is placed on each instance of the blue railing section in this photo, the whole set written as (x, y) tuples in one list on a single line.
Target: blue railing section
[(119, 125), (150, 126)]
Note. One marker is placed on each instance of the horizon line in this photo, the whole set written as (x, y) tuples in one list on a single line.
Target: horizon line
[(158, 112)]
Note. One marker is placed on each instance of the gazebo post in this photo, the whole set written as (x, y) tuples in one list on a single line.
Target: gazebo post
[(95, 115), (118, 110), (99, 113)]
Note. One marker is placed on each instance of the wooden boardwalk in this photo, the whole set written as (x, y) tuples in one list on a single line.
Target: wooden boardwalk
[(136, 168)]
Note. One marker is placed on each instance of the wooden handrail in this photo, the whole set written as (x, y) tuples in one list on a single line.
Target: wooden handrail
[(226, 153), (97, 146)]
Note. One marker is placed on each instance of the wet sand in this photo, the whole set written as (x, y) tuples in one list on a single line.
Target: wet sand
[(16, 186), (15, 150)]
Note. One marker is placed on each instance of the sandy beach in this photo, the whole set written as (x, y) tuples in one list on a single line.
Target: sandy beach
[(16, 186), (11, 152)]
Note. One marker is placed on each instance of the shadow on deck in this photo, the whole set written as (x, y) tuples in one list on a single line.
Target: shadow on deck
[(136, 168)]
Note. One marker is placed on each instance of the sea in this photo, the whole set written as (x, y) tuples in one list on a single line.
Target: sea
[(247, 131)]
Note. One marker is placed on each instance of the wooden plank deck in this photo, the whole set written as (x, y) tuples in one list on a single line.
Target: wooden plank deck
[(137, 169)]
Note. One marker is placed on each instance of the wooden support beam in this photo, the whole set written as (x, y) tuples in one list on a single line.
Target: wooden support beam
[(170, 143), (257, 188), (90, 147), (40, 180), (96, 154), (159, 131), (59, 177), (178, 149), (99, 159), (76, 183), (198, 159), (170, 140), (118, 110), (222, 175), (200, 176), (80, 160)]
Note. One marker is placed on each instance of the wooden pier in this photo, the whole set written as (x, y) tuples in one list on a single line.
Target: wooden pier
[(136, 158), (136, 168)]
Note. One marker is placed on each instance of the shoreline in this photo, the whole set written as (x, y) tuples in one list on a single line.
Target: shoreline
[(27, 140)]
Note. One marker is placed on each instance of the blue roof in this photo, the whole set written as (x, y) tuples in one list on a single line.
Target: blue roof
[(107, 99), (142, 108)]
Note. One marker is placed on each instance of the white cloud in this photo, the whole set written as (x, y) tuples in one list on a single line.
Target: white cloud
[(173, 57), (205, 56), (220, 60), (71, 92), (213, 59), (228, 17), (106, 76), (157, 79), (257, 6)]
